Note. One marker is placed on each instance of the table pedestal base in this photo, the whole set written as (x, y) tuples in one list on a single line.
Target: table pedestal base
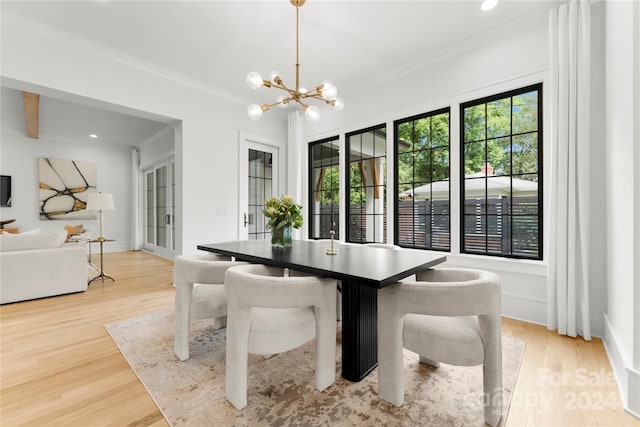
[(359, 330)]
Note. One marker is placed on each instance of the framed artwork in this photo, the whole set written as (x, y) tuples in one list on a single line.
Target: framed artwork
[(64, 187)]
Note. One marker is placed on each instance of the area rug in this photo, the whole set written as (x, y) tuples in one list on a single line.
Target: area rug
[(280, 389)]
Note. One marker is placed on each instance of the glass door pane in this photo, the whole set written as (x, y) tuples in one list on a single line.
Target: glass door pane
[(258, 179), (160, 209), (150, 208), (260, 176)]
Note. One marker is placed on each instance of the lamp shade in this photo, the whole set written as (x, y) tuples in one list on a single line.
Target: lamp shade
[(100, 202)]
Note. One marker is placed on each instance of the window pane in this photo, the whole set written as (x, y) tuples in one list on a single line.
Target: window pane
[(498, 118), (525, 235), (440, 130), (325, 186), (474, 157), (525, 153), (404, 137), (474, 123), (422, 134), (475, 239), (405, 168), (440, 164), (422, 166), (499, 156), (525, 112)]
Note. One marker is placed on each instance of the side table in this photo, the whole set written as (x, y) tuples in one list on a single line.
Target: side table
[(101, 275)]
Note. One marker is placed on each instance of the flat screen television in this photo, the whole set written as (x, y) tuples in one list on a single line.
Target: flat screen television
[(5, 191)]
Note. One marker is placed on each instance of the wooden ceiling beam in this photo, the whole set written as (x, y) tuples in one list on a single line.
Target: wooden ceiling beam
[(31, 103)]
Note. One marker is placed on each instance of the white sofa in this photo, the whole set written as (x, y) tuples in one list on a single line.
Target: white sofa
[(37, 265)]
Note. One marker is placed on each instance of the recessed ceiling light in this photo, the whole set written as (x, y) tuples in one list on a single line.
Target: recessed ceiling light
[(488, 4), (93, 135)]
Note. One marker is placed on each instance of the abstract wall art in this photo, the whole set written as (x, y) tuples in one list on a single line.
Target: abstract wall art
[(64, 188)]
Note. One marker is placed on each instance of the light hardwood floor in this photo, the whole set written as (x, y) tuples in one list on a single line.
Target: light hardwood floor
[(59, 367)]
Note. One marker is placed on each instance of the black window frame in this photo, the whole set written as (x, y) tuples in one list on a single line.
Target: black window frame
[(347, 184), (396, 224), (540, 172), (312, 190)]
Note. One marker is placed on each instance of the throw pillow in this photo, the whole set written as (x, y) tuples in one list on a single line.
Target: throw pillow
[(72, 230)]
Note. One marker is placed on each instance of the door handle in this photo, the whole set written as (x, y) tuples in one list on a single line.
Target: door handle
[(167, 219), (245, 220)]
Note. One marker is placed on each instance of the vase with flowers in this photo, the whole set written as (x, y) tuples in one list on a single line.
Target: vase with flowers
[(284, 214)]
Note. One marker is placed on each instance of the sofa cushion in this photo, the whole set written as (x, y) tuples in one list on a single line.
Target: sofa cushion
[(24, 242)]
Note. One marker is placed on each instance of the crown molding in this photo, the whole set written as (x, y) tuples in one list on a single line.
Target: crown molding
[(50, 32)]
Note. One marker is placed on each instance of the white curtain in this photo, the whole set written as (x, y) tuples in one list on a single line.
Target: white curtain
[(295, 168), (568, 279), (136, 216)]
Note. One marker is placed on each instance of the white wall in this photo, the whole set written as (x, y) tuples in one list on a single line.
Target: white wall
[(19, 158), (206, 156), (623, 209), (158, 148)]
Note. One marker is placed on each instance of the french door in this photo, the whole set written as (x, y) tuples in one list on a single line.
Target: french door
[(258, 181), (160, 209)]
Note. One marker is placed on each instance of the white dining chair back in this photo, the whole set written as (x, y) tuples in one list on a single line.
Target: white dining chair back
[(447, 315), (270, 313), (200, 294)]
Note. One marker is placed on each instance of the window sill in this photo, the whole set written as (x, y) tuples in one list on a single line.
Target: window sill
[(512, 265)]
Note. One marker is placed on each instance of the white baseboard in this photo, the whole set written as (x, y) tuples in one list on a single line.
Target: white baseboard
[(633, 401), (525, 309), (535, 311), (627, 378)]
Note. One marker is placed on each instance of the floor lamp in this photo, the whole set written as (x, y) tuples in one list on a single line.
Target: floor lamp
[(100, 202)]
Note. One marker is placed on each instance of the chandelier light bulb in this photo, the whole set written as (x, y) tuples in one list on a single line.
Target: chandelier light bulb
[(254, 111), (312, 114), (338, 104), (302, 90), (281, 102), (254, 80), (274, 75), (329, 90)]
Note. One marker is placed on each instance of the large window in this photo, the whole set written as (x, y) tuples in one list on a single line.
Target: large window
[(324, 179), (422, 177), (501, 174), (366, 185)]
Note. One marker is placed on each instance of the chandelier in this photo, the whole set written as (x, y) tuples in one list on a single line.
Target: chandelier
[(325, 92)]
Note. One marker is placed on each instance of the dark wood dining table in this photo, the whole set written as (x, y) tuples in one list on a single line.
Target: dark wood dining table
[(361, 269)]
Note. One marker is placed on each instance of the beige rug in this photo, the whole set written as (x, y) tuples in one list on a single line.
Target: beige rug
[(281, 392)]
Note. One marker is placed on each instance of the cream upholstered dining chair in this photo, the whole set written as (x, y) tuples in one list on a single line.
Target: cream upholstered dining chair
[(446, 315), (199, 282), (270, 313)]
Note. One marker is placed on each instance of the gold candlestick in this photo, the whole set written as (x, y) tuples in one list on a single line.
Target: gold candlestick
[(332, 251)]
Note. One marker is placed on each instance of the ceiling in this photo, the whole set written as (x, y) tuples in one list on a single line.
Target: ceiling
[(70, 121), (355, 44)]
